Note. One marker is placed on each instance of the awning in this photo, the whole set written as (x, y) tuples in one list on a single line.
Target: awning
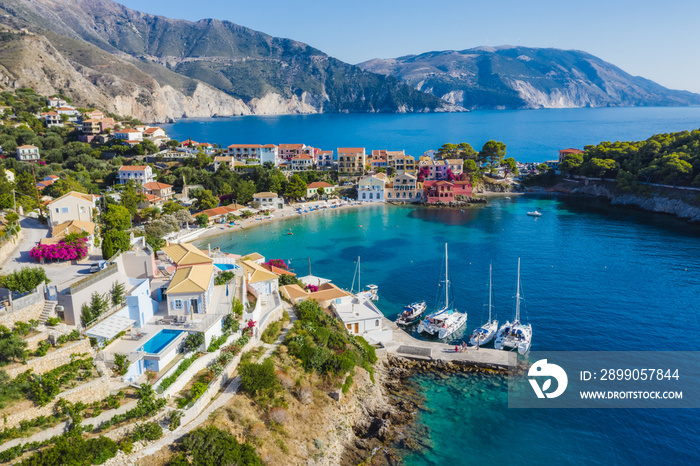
[(110, 327)]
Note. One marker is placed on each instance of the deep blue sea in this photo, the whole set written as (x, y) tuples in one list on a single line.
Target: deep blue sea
[(595, 277), (530, 135)]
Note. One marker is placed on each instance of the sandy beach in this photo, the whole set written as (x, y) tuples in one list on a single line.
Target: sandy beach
[(286, 213)]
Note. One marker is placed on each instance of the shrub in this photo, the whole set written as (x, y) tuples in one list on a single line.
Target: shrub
[(230, 323), (53, 321), (259, 380), (279, 415), (168, 381), (24, 280), (223, 278), (347, 385), (210, 445), (42, 349), (75, 249), (271, 332), (147, 431), (217, 342), (121, 364), (174, 421), (193, 342)]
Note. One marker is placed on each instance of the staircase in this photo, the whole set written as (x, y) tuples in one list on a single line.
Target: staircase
[(49, 311)]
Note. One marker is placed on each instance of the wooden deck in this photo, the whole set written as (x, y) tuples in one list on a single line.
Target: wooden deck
[(406, 346)]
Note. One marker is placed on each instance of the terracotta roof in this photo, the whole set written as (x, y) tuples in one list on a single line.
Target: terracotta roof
[(222, 210), (319, 184), (351, 150), (152, 197), (223, 158), (186, 254), (326, 152), (277, 270), (53, 177), (77, 195), (188, 142), (265, 194), (153, 130), (27, 146), (571, 151), (270, 146), (291, 146), (302, 157), (206, 144), (52, 113), (156, 185), (244, 146), (128, 130), (192, 279), (132, 167)]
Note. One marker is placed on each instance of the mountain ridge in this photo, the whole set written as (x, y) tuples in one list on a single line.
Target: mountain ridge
[(525, 77)]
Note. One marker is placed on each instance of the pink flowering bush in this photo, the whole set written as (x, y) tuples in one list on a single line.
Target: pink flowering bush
[(279, 263), (312, 288), (251, 323), (74, 250)]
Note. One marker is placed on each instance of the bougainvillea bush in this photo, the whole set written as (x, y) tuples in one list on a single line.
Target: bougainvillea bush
[(279, 263), (312, 288), (68, 251)]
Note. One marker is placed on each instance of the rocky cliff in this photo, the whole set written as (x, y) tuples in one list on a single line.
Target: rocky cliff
[(523, 77), (684, 204), (157, 68)]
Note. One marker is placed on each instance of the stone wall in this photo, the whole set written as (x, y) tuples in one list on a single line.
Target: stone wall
[(53, 359), (94, 390), (9, 247), (33, 341), (23, 315)]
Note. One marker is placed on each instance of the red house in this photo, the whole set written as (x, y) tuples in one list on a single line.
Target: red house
[(438, 191), (463, 188)]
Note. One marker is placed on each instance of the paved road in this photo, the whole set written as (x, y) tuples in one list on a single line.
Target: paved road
[(60, 274)]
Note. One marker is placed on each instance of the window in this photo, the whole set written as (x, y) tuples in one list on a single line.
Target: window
[(376, 323), (64, 210), (83, 209), (177, 304)]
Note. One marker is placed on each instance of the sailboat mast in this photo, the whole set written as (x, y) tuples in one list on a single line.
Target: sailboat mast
[(490, 285), (517, 296), (447, 279), (359, 275)]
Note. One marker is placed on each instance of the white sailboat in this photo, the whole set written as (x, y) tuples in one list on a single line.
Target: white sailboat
[(515, 335), (372, 291), (447, 320), (484, 334)]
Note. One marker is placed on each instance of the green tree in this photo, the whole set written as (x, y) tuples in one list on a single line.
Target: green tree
[(320, 191), (24, 280), (64, 186), (492, 152), (571, 163), (149, 146), (131, 197), (600, 168), (466, 151), (117, 293), (117, 217), (12, 347), (510, 165), (202, 220), (245, 189), (171, 207), (296, 188), (107, 247), (205, 200), (259, 379)]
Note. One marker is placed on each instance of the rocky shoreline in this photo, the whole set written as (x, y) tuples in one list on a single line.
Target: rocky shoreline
[(388, 428)]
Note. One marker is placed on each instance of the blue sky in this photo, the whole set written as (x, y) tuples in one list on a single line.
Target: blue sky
[(655, 39)]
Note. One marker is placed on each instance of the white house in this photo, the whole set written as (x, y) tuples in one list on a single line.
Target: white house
[(324, 159), (312, 188), (361, 317), (28, 153), (268, 200), (371, 189), (253, 154), (301, 162), (129, 135), (190, 290), (71, 112), (71, 206), (52, 118), (142, 174), (56, 102)]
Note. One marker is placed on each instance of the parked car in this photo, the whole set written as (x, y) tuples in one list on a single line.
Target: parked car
[(97, 266)]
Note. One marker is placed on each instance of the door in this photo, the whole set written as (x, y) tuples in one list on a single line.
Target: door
[(194, 306), (357, 327)]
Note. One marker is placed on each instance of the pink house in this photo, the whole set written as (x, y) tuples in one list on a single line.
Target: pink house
[(441, 191)]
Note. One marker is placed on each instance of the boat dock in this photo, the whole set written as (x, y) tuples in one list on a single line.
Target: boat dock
[(405, 346)]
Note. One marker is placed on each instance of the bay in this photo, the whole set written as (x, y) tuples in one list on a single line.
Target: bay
[(530, 135), (595, 277)]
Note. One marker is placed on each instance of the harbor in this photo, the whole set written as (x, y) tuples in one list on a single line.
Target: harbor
[(404, 345)]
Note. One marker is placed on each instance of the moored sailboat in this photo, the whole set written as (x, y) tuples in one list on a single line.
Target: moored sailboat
[(515, 335), (447, 320), (484, 334)]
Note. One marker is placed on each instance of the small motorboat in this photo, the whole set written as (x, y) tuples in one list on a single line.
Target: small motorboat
[(411, 314), (534, 213)]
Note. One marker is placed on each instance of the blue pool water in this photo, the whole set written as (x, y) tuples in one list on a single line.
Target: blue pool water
[(160, 340), (595, 277), (225, 266)]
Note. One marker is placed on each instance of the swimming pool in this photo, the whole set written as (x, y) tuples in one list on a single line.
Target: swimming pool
[(225, 266), (160, 340)]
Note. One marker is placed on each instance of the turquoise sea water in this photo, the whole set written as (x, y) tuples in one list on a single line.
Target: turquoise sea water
[(595, 277), (530, 135)]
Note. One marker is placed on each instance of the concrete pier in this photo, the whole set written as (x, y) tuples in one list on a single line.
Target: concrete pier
[(404, 345)]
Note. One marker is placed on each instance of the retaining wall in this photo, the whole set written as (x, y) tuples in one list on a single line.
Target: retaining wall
[(30, 312), (52, 360)]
